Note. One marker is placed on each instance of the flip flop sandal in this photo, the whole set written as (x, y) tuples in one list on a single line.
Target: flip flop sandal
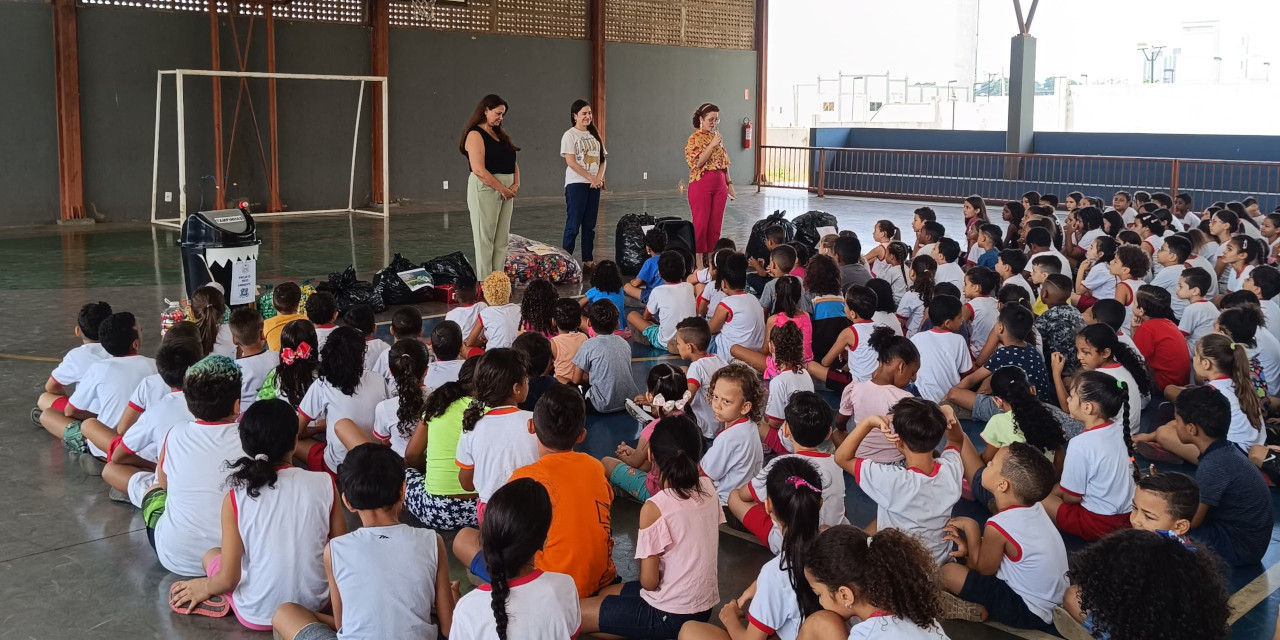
[(214, 607)]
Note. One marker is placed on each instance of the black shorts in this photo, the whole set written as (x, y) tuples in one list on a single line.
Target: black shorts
[(1003, 604)]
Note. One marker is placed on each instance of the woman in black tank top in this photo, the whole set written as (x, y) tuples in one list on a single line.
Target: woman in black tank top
[(493, 183)]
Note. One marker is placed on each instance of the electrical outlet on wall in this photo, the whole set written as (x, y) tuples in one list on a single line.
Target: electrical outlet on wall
[(646, 175), (446, 184), (168, 196)]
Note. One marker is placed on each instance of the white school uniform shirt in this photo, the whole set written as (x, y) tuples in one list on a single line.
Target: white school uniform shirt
[(699, 375), (1021, 282), (713, 295), (253, 372), (913, 501), (1197, 322), (385, 423), (951, 272), (944, 357), (1168, 279), (144, 438), (1251, 230), (863, 360), (327, 402), (878, 263), (1271, 316), (541, 606), (466, 316), (926, 249), (149, 391), (76, 362), (1086, 240), (911, 312), (500, 324), (1136, 400), (1241, 433), (1132, 285), (373, 350), (284, 531), (780, 389), (745, 325), (774, 609), (386, 577), (1062, 260), (887, 319), (735, 457), (322, 335), (1192, 219), (1098, 471), (896, 279), (1037, 571), (1101, 283), (499, 444), (1235, 279), (703, 275), (1129, 215), (887, 627), (1208, 265), (670, 304), (442, 372), (985, 314), (223, 345), (1155, 242), (832, 512), (382, 367), (1269, 358), (106, 388), (195, 461)]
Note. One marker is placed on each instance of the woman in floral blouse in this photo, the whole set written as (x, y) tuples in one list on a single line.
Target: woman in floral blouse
[(709, 182)]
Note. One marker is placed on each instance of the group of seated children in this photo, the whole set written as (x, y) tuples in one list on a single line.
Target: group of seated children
[(1076, 345)]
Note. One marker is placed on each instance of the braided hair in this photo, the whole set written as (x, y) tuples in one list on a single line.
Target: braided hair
[(516, 521)]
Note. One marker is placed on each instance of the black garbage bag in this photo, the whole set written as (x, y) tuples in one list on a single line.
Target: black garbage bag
[(808, 223), (350, 291), (755, 245), (394, 289), (629, 242), (450, 268)]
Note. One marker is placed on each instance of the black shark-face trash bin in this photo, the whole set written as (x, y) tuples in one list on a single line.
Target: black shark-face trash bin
[(221, 246)]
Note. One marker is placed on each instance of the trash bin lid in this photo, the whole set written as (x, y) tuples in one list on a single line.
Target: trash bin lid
[(220, 228)]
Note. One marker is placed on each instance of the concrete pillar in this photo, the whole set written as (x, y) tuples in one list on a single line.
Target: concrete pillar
[(1022, 95)]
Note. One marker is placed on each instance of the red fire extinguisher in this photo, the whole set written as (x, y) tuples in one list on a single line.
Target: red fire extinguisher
[(746, 133)]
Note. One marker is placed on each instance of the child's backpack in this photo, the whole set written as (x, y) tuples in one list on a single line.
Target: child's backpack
[(807, 225), (629, 242), (755, 245)]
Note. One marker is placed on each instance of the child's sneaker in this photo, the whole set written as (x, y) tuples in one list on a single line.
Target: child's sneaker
[(638, 412), (35, 416), (953, 608), (1068, 627)]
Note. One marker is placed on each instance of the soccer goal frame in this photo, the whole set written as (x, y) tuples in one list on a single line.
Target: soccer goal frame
[(180, 75)]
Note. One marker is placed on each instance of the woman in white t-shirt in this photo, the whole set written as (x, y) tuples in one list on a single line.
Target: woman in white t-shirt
[(584, 157)]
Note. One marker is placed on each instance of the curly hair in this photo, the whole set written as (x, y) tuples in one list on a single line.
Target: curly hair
[(1141, 585), (496, 288), (538, 307), (293, 380), (212, 387), (890, 570), (924, 270), (607, 277), (342, 359), (788, 346), (748, 380), (408, 362), (822, 276)]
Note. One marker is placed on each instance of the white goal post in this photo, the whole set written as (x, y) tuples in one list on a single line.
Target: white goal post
[(180, 74)]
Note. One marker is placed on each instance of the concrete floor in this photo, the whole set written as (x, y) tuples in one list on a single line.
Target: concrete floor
[(74, 564)]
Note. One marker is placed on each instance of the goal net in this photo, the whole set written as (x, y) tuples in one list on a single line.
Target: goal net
[(183, 182)]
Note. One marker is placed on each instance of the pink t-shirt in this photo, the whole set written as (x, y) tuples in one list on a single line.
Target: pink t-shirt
[(863, 399), (687, 537)]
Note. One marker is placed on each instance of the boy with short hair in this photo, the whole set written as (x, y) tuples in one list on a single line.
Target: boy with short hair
[(76, 361), (807, 426), (1014, 569), (668, 304), (1112, 314), (322, 311), (1014, 331), (981, 310), (944, 354), (1264, 282), (849, 259), (1009, 266), (946, 252), (605, 361), (465, 314), (1041, 268), (1172, 257), (286, 298), (738, 319), (853, 344), (1130, 266), (693, 338), (928, 230), (758, 275), (360, 317), (1235, 515), (917, 497), (366, 567), (1060, 323), (406, 322), (1040, 242), (183, 511), (446, 346), (252, 356), (781, 261), (537, 352), (102, 394), (640, 287), (1200, 315)]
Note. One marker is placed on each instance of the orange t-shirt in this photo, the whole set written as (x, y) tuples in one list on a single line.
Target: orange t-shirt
[(580, 542), (272, 327)]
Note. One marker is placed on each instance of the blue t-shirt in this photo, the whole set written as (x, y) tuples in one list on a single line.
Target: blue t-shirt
[(989, 258), (1239, 502), (649, 274), (618, 299)]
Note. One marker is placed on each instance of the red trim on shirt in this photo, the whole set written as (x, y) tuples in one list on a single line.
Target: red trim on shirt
[(211, 424), (1068, 491), (724, 306), (325, 326), (533, 575), (768, 631), (813, 454), (235, 508), (752, 488), (1008, 537), (733, 424), (134, 407), (857, 469), (1105, 424), (936, 468), (304, 414), (126, 448), (695, 383), (772, 417), (502, 411), (937, 330), (970, 308), (1111, 366)]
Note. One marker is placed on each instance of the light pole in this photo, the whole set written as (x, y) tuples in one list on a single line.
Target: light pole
[(1151, 53), (951, 95)]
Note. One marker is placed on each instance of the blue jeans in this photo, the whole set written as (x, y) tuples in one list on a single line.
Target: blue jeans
[(582, 204)]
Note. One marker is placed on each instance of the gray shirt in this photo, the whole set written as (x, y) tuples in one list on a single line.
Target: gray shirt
[(768, 297), (607, 360), (851, 274)]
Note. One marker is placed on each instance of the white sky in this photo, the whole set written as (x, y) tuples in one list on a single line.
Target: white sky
[(924, 39)]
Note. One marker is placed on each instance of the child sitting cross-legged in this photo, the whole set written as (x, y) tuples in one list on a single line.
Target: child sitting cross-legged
[(1157, 337), (276, 520), (667, 304), (406, 322), (788, 299), (693, 338), (372, 593), (1017, 349), (495, 438), (498, 324), (1099, 349), (738, 319), (565, 344), (252, 356), (735, 457), (1014, 569), (640, 287), (603, 363), (807, 426), (433, 490), (918, 497), (780, 598), (677, 545), (606, 284), (153, 388), (668, 393), (286, 297), (852, 344), (944, 354), (899, 360), (76, 362), (792, 379), (1023, 418), (360, 317), (345, 397)]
